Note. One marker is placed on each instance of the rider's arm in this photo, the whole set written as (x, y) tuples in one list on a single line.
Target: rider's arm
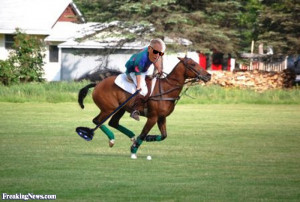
[(138, 82), (138, 77)]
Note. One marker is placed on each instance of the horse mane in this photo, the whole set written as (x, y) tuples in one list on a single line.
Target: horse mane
[(180, 61)]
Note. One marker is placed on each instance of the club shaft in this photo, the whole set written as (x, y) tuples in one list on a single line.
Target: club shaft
[(117, 109)]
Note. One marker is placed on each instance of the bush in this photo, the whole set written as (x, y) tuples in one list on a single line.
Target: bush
[(25, 63), (8, 73)]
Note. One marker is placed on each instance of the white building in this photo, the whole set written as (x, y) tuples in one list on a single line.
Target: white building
[(39, 18)]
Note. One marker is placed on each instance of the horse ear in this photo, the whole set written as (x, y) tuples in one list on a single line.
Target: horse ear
[(181, 59)]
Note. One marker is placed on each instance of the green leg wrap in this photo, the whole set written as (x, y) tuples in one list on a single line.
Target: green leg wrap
[(152, 138), (107, 132), (136, 145), (125, 131)]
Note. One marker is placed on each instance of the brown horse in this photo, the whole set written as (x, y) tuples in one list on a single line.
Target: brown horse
[(108, 97)]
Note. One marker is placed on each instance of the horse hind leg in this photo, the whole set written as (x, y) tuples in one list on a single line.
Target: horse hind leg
[(97, 120), (114, 122)]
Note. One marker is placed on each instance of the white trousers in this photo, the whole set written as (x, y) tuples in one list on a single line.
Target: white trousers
[(144, 89)]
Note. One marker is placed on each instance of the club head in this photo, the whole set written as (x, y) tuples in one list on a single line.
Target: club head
[(86, 133)]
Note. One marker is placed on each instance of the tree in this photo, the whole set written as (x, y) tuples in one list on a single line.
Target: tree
[(25, 62), (279, 26), (226, 25), (248, 23)]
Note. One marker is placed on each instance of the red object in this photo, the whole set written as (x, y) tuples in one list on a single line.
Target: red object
[(202, 60), (228, 64), (68, 15), (217, 60), (217, 67)]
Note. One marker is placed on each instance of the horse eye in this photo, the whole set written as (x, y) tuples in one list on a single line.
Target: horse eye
[(193, 64)]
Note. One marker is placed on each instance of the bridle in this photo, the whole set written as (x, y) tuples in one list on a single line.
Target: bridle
[(162, 92), (195, 71)]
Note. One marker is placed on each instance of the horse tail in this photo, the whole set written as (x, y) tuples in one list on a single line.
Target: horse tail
[(83, 92)]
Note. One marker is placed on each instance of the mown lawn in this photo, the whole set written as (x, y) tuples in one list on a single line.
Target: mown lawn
[(218, 152)]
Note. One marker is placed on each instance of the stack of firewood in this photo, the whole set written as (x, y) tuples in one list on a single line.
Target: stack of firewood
[(257, 80)]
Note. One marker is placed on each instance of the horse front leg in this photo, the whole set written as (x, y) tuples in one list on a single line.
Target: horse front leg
[(163, 130), (139, 140)]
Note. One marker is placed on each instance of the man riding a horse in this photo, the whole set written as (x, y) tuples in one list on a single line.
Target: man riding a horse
[(113, 100), (137, 67)]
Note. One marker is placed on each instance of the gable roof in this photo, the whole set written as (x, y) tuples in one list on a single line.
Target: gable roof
[(32, 16), (95, 35), (63, 31)]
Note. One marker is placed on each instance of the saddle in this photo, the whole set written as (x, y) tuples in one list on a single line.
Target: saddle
[(148, 81), (140, 100), (125, 82)]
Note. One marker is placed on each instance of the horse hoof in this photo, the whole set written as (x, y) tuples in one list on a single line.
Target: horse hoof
[(132, 139), (111, 143), (133, 156)]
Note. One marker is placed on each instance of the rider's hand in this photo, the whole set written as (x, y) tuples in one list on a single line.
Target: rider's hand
[(159, 74)]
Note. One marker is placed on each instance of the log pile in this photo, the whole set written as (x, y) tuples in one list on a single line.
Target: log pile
[(257, 80)]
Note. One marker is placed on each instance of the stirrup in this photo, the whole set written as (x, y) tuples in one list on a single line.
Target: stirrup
[(135, 115)]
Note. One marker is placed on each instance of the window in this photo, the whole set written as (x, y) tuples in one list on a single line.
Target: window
[(9, 41), (53, 53)]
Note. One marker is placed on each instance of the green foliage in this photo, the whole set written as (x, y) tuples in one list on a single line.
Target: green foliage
[(279, 26), (174, 18), (25, 62), (56, 92), (28, 57), (248, 24), (228, 26), (8, 73), (220, 95), (53, 92)]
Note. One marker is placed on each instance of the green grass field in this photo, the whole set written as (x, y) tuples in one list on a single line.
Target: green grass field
[(214, 152), (58, 92)]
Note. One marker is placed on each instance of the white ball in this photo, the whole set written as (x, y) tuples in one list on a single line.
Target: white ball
[(149, 158)]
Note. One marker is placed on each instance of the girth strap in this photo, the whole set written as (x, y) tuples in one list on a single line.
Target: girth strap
[(161, 93), (164, 98)]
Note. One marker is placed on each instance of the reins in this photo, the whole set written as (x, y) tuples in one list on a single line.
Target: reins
[(162, 92), (159, 96)]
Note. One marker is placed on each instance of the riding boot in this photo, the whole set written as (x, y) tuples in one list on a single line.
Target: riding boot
[(138, 103)]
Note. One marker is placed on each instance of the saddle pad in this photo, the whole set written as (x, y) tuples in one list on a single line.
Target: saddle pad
[(130, 87)]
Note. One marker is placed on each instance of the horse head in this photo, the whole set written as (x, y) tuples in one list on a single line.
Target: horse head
[(194, 70)]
